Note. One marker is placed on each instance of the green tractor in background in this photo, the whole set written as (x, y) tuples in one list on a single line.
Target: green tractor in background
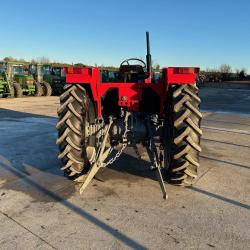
[(22, 80), (39, 72), (56, 77), (6, 88)]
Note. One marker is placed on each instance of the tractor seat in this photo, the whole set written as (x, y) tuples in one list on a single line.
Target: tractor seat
[(132, 73)]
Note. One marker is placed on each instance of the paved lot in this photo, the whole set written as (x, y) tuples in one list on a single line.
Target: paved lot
[(41, 209)]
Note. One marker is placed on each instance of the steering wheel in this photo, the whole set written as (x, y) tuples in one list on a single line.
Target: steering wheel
[(134, 59)]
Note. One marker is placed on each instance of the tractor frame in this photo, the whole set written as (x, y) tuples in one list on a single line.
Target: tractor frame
[(101, 111)]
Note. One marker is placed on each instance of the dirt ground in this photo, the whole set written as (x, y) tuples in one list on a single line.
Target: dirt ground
[(41, 209)]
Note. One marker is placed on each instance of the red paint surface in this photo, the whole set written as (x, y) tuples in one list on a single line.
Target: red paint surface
[(130, 94)]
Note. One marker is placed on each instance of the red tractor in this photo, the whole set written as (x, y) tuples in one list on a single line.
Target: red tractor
[(102, 113)]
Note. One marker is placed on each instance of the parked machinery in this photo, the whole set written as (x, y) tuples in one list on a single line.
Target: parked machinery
[(19, 75), (39, 72), (98, 120), (56, 77), (6, 88)]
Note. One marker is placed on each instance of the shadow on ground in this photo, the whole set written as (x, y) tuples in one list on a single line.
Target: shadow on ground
[(33, 162), (38, 176)]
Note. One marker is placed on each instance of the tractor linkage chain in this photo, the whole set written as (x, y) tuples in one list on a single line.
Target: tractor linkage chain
[(103, 152)]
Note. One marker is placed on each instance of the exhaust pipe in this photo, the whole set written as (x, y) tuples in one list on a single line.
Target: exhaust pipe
[(148, 57)]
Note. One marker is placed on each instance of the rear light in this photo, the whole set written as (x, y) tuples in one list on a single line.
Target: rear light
[(70, 70), (186, 70), (73, 70)]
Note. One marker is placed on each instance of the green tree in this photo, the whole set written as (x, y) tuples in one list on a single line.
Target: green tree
[(241, 74)]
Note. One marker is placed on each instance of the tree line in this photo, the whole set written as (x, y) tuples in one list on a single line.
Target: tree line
[(42, 60), (223, 73)]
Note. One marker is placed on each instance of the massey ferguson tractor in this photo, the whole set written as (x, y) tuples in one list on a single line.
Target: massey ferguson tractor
[(99, 119)]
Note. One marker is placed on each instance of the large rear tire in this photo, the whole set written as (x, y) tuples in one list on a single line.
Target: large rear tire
[(74, 111), (18, 92), (47, 90), (38, 89), (183, 128)]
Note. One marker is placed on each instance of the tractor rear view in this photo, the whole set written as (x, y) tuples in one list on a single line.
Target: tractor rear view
[(99, 119)]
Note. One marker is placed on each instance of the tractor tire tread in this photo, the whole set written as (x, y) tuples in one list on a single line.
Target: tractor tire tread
[(38, 89), (185, 133), (18, 92), (70, 130), (47, 89)]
